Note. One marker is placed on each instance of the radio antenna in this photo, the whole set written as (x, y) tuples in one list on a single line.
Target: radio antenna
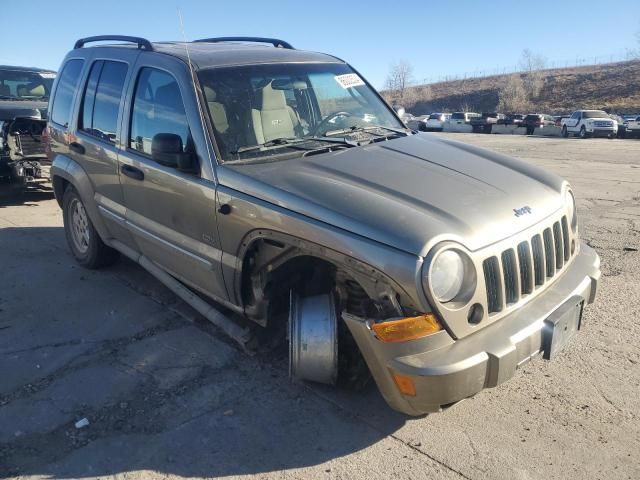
[(195, 91)]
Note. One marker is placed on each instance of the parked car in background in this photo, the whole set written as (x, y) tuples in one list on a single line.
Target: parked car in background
[(590, 123), (632, 127), (277, 182), (622, 126), (417, 123), (461, 118), (511, 119), (537, 120), (484, 122), (435, 122), (24, 93)]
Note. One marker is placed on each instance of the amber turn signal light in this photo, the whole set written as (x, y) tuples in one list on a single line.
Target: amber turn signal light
[(406, 328), (405, 384)]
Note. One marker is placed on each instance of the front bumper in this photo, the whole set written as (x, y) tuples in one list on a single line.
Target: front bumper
[(602, 131), (446, 371)]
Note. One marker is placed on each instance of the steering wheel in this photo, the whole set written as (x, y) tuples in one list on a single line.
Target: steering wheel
[(323, 123)]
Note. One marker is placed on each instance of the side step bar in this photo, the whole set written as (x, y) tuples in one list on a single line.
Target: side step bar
[(239, 334)]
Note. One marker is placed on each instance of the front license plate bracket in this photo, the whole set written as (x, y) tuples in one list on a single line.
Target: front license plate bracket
[(560, 327)]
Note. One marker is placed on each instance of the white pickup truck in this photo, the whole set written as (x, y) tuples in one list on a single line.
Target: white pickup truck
[(589, 123), (633, 128)]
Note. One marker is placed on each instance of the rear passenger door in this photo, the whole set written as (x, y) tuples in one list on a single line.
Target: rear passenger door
[(171, 213), (96, 137)]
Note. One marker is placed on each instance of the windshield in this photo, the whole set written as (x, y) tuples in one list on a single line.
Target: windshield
[(290, 108), (594, 114), (458, 116), (20, 85)]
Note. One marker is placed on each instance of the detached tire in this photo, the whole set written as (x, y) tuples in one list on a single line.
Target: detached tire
[(84, 242)]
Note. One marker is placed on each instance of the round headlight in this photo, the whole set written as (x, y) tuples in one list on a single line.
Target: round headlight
[(447, 275), (571, 210)]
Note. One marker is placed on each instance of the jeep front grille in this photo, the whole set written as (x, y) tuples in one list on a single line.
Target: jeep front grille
[(533, 263)]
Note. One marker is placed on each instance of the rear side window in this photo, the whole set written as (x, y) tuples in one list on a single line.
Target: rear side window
[(67, 85), (101, 102), (157, 108)]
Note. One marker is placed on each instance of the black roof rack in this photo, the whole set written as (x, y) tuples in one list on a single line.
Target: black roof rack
[(273, 41), (143, 43)]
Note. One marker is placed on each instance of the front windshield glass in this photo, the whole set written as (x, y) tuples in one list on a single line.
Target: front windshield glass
[(20, 85), (260, 111), (594, 114)]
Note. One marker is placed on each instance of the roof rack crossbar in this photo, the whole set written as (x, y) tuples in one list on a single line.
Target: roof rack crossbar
[(143, 43), (273, 41)]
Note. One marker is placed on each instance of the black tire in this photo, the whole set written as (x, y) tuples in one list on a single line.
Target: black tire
[(583, 132), (530, 130), (565, 132), (87, 247)]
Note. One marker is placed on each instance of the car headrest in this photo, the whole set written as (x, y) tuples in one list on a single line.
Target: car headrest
[(210, 93), (270, 99), (31, 91)]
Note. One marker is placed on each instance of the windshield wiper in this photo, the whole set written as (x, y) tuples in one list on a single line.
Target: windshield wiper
[(276, 142), (355, 128), (293, 143)]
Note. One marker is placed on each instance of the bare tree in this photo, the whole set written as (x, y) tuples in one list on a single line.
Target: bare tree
[(398, 81), (513, 96), (532, 65)]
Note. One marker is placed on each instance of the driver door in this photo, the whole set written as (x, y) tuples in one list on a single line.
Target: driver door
[(170, 212)]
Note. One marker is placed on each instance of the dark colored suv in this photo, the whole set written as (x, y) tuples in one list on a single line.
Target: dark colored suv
[(537, 120)]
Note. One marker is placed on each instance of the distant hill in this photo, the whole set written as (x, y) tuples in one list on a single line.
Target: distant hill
[(614, 87)]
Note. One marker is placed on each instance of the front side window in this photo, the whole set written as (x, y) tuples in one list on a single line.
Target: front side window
[(254, 107), (157, 108), (67, 85), (101, 102)]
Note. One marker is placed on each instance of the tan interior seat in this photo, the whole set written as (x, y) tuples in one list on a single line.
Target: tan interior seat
[(273, 118), (31, 91), (218, 111)]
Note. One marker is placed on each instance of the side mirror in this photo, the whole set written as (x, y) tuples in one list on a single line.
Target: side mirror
[(166, 149)]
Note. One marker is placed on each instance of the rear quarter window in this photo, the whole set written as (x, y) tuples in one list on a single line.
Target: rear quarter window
[(67, 86)]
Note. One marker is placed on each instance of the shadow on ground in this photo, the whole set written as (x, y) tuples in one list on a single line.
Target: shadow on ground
[(160, 393), (28, 196)]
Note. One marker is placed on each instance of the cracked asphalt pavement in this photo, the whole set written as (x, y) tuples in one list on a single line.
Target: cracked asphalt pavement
[(167, 396)]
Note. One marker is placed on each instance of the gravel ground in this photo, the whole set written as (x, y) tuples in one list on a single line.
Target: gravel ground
[(165, 396)]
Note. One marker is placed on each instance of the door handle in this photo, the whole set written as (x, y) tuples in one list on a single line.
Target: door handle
[(132, 172), (76, 147)]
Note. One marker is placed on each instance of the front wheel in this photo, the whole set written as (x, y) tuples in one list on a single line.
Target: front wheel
[(583, 132), (565, 132), (84, 242)]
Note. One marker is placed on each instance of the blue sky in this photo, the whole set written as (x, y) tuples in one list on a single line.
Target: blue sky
[(437, 38)]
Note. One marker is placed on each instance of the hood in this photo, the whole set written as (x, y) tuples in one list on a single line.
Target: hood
[(408, 193), (10, 109)]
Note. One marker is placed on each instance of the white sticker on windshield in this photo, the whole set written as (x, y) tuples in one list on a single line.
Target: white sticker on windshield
[(349, 80), (47, 75)]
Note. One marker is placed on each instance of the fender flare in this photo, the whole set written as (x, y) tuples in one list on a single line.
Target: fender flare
[(69, 170), (374, 282)]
